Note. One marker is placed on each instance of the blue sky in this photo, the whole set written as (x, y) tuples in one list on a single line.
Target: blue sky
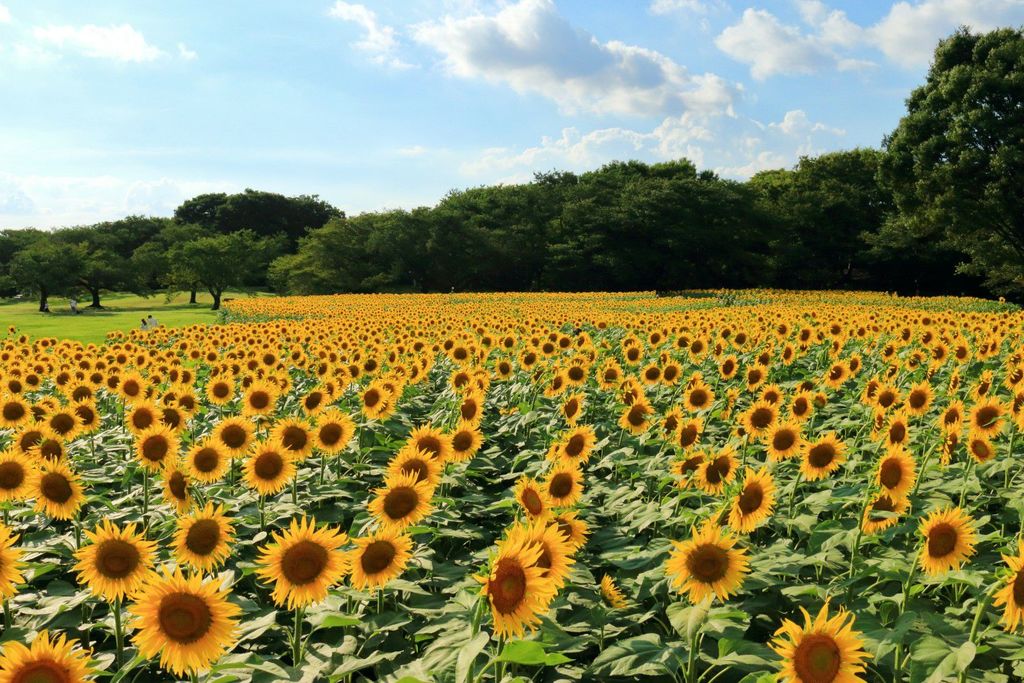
[(118, 107)]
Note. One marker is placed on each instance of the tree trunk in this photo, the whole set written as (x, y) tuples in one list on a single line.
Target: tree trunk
[(192, 296), (43, 295), (95, 298), (215, 293)]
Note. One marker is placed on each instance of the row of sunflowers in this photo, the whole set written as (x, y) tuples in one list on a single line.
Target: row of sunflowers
[(523, 486)]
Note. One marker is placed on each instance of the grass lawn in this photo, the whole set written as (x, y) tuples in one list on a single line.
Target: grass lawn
[(120, 312)]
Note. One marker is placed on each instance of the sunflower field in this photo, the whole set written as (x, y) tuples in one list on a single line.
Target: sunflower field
[(723, 486)]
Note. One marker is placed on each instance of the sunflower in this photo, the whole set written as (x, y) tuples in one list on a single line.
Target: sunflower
[(177, 491), (986, 417), (577, 444), (57, 490), (117, 561), (1012, 592), (431, 441), (572, 407), (376, 402), (611, 593), (532, 497), (952, 418), (516, 589), (635, 418), (716, 471), (303, 562), (823, 457), (823, 650), (206, 461), (919, 398), (203, 538), (58, 659), (27, 437), (685, 468), (260, 398), (14, 412), (556, 550), (760, 418), (16, 475), (220, 391), (295, 436), (698, 396), (269, 468), (379, 558), (707, 564), (572, 527), (402, 502), (783, 440), (949, 540), (564, 484), (466, 441), (334, 429), (874, 521), (898, 431), (689, 433), (980, 447), (896, 473), (235, 435), (188, 622), (754, 502), (155, 446), (10, 564), (409, 459)]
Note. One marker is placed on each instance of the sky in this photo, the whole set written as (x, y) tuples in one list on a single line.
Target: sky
[(118, 107)]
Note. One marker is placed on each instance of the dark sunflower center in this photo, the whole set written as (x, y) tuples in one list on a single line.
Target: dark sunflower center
[(116, 559), (708, 563), (56, 487), (294, 438), (51, 449), (429, 443), (688, 436), (783, 440), (400, 501), (942, 540), (42, 671), (304, 562), (817, 659), (233, 436), (468, 410), (377, 557), (883, 504), (980, 449), (178, 485), (155, 448), (12, 475), (574, 447), (462, 441), (691, 464), (268, 465), (571, 407), (821, 455), (897, 432), (951, 417), (761, 418), (508, 587), (751, 498), (330, 433), (891, 474), (418, 467), (141, 419), (1018, 589), (13, 411), (313, 400), (698, 398), (576, 373), (221, 390), (259, 400), (800, 406), (561, 485), (718, 469), (184, 618), (637, 415), (987, 415), (371, 398), (203, 536), (29, 439), (532, 502), (62, 423), (206, 459), (917, 399)]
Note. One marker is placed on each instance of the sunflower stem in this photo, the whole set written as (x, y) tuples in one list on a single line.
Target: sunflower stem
[(8, 616), (976, 624), (145, 493), (792, 493), (297, 638), (898, 660), (295, 486), (118, 635), (263, 515), (691, 658), (924, 466), (967, 476)]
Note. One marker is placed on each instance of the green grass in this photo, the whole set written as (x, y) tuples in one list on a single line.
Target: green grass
[(120, 312)]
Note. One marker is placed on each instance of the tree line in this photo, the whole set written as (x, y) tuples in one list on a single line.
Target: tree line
[(939, 208)]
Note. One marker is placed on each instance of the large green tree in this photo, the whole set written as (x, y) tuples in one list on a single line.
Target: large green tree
[(46, 266), (219, 262), (955, 163)]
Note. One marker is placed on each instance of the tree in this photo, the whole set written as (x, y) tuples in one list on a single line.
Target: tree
[(46, 267), (218, 262), (151, 262), (955, 162)]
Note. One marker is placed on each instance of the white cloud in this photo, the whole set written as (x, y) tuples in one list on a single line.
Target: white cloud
[(53, 201), (670, 6), (528, 46), (771, 47), (5, 15), (731, 146), (120, 43), (412, 151), (185, 53), (908, 33), (379, 39)]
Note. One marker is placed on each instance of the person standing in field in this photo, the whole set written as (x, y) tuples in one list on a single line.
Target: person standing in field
[(74, 305), (151, 321)]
